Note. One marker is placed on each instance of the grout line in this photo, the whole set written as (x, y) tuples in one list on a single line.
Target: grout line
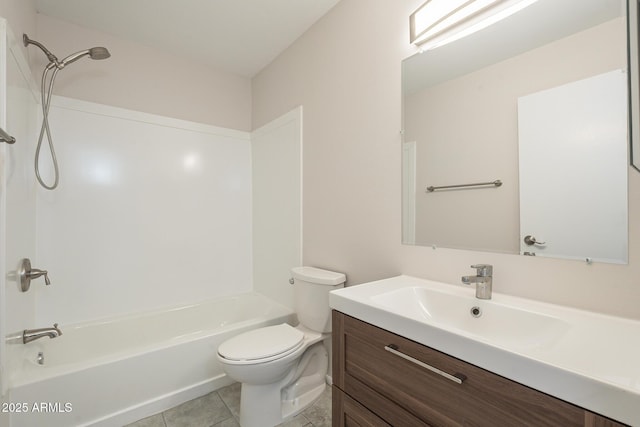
[(228, 409)]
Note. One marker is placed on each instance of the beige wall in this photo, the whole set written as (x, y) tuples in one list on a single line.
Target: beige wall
[(462, 138), (346, 72), (20, 14), (135, 77), (141, 78)]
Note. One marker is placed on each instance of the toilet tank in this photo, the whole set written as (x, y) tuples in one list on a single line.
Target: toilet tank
[(311, 287)]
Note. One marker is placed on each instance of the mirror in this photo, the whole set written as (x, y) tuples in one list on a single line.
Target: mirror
[(535, 108), (634, 82)]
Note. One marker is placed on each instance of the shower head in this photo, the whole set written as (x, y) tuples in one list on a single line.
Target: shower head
[(99, 53), (93, 53)]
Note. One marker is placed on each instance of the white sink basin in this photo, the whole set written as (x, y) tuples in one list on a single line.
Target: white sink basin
[(589, 359), (484, 320)]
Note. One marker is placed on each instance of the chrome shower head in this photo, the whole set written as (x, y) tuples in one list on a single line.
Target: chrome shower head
[(99, 53), (93, 53)]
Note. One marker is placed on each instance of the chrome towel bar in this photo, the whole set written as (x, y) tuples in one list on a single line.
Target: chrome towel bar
[(5, 137), (496, 183)]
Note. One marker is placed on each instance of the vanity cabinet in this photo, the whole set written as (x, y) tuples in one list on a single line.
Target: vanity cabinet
[(383, 379)]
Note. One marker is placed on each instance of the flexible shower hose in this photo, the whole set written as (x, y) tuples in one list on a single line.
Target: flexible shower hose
[(45, 93)]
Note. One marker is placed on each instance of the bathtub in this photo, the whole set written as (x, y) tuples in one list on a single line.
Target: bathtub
[(115, 371)]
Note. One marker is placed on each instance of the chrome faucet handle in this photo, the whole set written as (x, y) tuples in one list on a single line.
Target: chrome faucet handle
[(529, 240), (483, 280), (35, 273), (484, 270), (26, 274)]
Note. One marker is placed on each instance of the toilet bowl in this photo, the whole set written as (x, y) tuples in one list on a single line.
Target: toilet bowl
[(276, 384), (283, 368)]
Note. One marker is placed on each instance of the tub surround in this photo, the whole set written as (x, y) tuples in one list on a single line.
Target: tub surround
[(581, 357), (149, 190)]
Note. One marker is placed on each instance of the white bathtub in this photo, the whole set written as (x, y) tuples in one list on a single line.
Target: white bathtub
[(115, 371)]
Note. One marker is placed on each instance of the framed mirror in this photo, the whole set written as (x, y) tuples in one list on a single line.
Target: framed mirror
[(535, 108), (634, 81)]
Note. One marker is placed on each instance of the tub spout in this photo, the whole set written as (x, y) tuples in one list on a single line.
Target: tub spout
[(29, 335)]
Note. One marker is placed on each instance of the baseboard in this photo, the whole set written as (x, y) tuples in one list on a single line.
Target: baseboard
[(161, 403)]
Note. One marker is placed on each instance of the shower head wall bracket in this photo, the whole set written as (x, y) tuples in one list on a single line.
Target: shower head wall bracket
[(27, 41)]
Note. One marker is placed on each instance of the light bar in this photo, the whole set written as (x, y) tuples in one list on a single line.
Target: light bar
[(438, 22)]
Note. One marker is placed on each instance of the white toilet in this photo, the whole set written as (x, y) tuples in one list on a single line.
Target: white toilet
[(283, 368)]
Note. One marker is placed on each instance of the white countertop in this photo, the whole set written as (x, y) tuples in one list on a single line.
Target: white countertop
[(588, 359)]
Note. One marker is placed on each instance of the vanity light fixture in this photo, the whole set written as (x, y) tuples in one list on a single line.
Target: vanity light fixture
[(438, 22)]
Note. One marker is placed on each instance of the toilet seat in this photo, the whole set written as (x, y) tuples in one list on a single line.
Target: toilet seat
[(262, 345)]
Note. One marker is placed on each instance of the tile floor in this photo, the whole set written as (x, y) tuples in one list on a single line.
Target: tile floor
[(221, 409)]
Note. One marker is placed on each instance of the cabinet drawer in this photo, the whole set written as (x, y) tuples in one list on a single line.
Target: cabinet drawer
[(400, 370), (346, 412)]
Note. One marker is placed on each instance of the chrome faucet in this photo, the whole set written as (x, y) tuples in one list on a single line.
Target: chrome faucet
[(483, 280), (29, 335)]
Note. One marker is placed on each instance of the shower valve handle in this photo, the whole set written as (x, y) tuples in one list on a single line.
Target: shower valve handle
[(35, 273), (26, 273)]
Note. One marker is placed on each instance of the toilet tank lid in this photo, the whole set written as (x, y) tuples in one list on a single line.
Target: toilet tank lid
[(318, 276)]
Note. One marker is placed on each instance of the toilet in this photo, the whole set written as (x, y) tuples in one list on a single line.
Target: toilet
[(283, 368)]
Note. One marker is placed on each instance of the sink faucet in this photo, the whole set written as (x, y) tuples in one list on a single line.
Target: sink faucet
[(29, 335), (483, 280)]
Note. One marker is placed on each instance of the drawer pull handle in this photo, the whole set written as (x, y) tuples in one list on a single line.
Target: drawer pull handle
[(456, 378)]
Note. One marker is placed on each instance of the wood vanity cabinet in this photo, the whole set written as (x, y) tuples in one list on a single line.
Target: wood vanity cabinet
[(382, 379)]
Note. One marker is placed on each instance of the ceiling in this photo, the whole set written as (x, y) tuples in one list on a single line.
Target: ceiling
[(237, 36)]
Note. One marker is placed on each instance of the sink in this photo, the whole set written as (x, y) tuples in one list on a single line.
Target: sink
[(485, 320), (586, 358)]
